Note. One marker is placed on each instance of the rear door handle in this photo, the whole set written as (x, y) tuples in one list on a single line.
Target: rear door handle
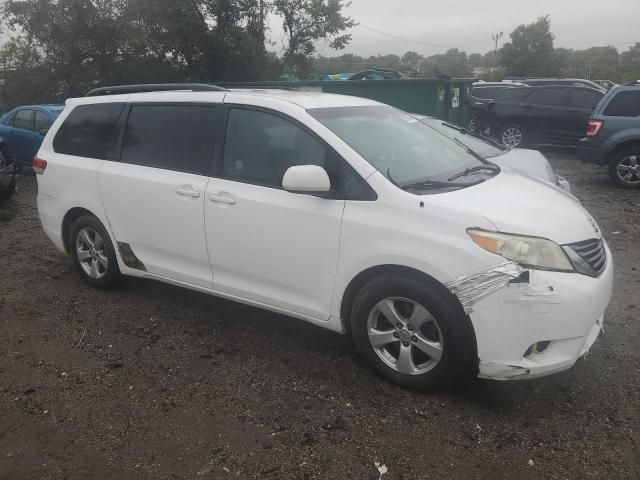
[(217, 198), (188, 191)]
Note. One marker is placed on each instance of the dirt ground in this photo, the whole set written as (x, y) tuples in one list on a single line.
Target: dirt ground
[(149, 381)]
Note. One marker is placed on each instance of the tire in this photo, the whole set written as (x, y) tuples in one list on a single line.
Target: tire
[(93, 253), (440, 327), (512, 135), (628, 161), (7, 191)]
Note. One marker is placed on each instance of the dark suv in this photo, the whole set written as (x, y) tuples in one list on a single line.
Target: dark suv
[(554, 115), (613, 135)]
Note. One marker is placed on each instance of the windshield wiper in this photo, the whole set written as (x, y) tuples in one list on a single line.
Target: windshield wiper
[(479, 168), (429, 184), (471, 151), (464, 131)]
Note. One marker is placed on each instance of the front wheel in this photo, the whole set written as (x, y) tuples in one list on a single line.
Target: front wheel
[(512, 136), (93, 253), (624, 168), (413, 332)]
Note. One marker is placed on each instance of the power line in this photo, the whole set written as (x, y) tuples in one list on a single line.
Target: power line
[(366, 27)]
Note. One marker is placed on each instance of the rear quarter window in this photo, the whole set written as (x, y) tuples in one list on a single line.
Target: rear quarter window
[(624, 104), (89, 131)]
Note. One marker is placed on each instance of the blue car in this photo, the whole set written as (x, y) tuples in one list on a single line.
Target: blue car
[(613, 135), (23, 129)]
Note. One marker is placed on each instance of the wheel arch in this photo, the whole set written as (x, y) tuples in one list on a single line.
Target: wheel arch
[(67, 222), (625, 144), (365, 276)]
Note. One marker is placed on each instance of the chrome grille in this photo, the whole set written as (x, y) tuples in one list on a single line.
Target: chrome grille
[(592, 253)]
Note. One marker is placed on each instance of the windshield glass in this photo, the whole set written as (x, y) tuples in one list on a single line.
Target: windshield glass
[(483, 147), (398, 145)]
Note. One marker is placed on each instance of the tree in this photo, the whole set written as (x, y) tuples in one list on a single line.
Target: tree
[(452, 63), (305, 22), (528, 52), (630, 64), (475, 60)]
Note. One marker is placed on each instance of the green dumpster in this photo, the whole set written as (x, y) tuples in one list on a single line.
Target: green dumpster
[(443, 99)]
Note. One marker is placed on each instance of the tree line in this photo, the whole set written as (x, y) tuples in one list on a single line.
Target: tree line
[(530, 52), (63, 48)]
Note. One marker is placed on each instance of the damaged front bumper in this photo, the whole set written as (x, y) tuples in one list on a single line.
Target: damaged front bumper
[(531, 323)]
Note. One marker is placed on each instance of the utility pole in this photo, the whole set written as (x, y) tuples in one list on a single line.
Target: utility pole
[(496, 37), (262, 20)]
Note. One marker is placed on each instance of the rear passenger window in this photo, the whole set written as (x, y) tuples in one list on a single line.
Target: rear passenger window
[(260, 147), (42, 121), (23, 119), (584, 98), (172, 137), (624, 104), (547, 96), (89, 131)]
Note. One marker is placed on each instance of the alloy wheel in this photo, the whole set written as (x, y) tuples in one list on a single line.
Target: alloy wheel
[(511, 137), (628, 169), (92, 253), (405, 335)]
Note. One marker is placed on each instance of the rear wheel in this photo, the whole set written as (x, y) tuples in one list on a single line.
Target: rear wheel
[(412, 332), (624, 168), (93, 253), (512, 136)]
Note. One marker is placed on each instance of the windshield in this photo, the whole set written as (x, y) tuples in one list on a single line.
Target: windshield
[(485, 148), (399, 146)]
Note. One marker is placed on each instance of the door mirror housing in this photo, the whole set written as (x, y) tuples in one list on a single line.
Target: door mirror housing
[(43, 132), (306, 179)]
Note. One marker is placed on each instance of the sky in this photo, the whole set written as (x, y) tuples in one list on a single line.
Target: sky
[(431, 26)]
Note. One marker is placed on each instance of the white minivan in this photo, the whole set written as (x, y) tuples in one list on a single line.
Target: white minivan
[(340, 211)]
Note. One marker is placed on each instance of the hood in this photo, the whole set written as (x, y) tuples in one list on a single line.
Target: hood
[(519, 204), (528, 162)]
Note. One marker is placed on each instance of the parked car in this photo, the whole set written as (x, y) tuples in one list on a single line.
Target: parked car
[(541, 115), (341, 211), (379, 73), (23, 129), (613, 135), (568, 82), (528, 162), (480, 96)]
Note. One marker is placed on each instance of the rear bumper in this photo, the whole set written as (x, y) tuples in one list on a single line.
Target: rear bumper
[(591, 152), (564, 309)]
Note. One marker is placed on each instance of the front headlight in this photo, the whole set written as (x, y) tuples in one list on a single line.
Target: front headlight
[(533, 252)]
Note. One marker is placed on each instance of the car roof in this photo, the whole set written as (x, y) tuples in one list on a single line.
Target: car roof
[(304, 99), (47, 106)]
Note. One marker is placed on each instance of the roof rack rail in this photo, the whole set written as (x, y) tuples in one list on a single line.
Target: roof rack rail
[(632, 82), (154, 87)]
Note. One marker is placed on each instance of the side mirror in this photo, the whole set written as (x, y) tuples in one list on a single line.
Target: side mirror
[(43, 132), (306, 179)]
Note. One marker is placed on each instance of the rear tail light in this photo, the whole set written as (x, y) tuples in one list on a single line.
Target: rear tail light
[(39, 165), (594, 127)]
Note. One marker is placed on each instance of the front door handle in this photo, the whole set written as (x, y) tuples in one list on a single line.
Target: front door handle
[(217, 198), (188, 191)]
